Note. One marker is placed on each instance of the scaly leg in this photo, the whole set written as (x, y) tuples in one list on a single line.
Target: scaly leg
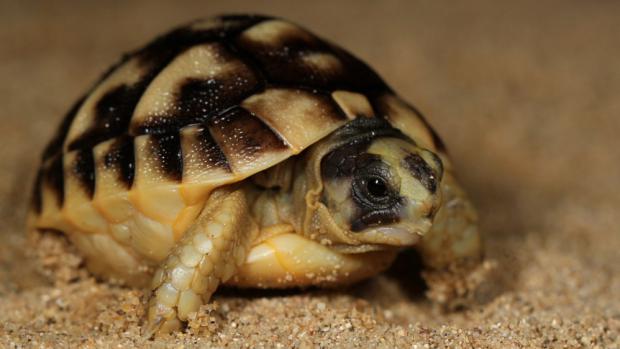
[(451, 251), (208, 254)]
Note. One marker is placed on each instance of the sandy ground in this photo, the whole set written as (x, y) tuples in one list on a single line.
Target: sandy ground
[(525, 96)]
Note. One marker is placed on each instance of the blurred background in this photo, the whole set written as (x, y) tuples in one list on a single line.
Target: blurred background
[(524, 94)]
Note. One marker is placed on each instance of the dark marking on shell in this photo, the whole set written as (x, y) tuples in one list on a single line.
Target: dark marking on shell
[(283, 63), (112, 115), (166, 153), (419, 169), (37, 195), (198, 100), (358, 76), (121, 158), (83, 169), (167, 46), (209, 152), (54, 178), (243, 136), (115, 109), (55, 145)]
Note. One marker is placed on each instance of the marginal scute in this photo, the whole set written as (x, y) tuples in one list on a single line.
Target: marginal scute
[(203, 158), (114, 162), (353, 104), (300, 117), (164, 157), (408, 120), (78, 209), (119, 159), (156, 187), (205, 166), (250, 145), (199, 83), (83, 170), (52, 190), (53, 178), (37, 195)]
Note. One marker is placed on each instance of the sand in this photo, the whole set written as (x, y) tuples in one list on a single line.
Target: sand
[(525, 96)]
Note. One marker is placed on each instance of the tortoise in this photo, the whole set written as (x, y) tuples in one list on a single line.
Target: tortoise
[(244, 150)]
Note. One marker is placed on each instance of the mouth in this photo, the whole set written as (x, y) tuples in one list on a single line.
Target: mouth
[(382, 239), (398, 236), (395, 236)]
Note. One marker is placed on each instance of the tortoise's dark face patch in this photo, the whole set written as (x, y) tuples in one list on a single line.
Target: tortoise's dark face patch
[(423, 172), (382, 191), (375, 193)]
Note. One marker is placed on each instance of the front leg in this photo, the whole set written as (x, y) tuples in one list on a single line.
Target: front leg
[(208, 254), (452, 251)]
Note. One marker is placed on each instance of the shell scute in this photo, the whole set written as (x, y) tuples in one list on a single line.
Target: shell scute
[(82, 170), (203, 158), (108, 109), (119, 160), (301, 117), (247, 140), (290, 55), (53, 179), (200, 83)]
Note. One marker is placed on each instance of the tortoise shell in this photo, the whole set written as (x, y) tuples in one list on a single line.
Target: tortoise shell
[(207, 104)]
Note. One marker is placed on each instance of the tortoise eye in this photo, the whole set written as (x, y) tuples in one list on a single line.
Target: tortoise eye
[(373, 191), (377, 187)]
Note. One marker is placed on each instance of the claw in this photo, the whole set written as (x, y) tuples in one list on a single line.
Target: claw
[(160, 320), (152, 327)]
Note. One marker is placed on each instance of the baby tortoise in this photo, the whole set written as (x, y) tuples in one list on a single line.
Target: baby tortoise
[(246, 151)]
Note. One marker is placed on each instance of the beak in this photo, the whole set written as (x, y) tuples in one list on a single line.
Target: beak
[(397, 235)]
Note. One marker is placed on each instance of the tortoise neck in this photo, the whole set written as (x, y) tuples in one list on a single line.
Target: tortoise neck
[(309, 215), (273, 195)]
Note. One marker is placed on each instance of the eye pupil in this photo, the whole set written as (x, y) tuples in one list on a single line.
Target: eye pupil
[(377, 187)]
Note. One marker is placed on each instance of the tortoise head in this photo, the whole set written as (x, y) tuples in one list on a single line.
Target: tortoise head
[(381, 190)]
